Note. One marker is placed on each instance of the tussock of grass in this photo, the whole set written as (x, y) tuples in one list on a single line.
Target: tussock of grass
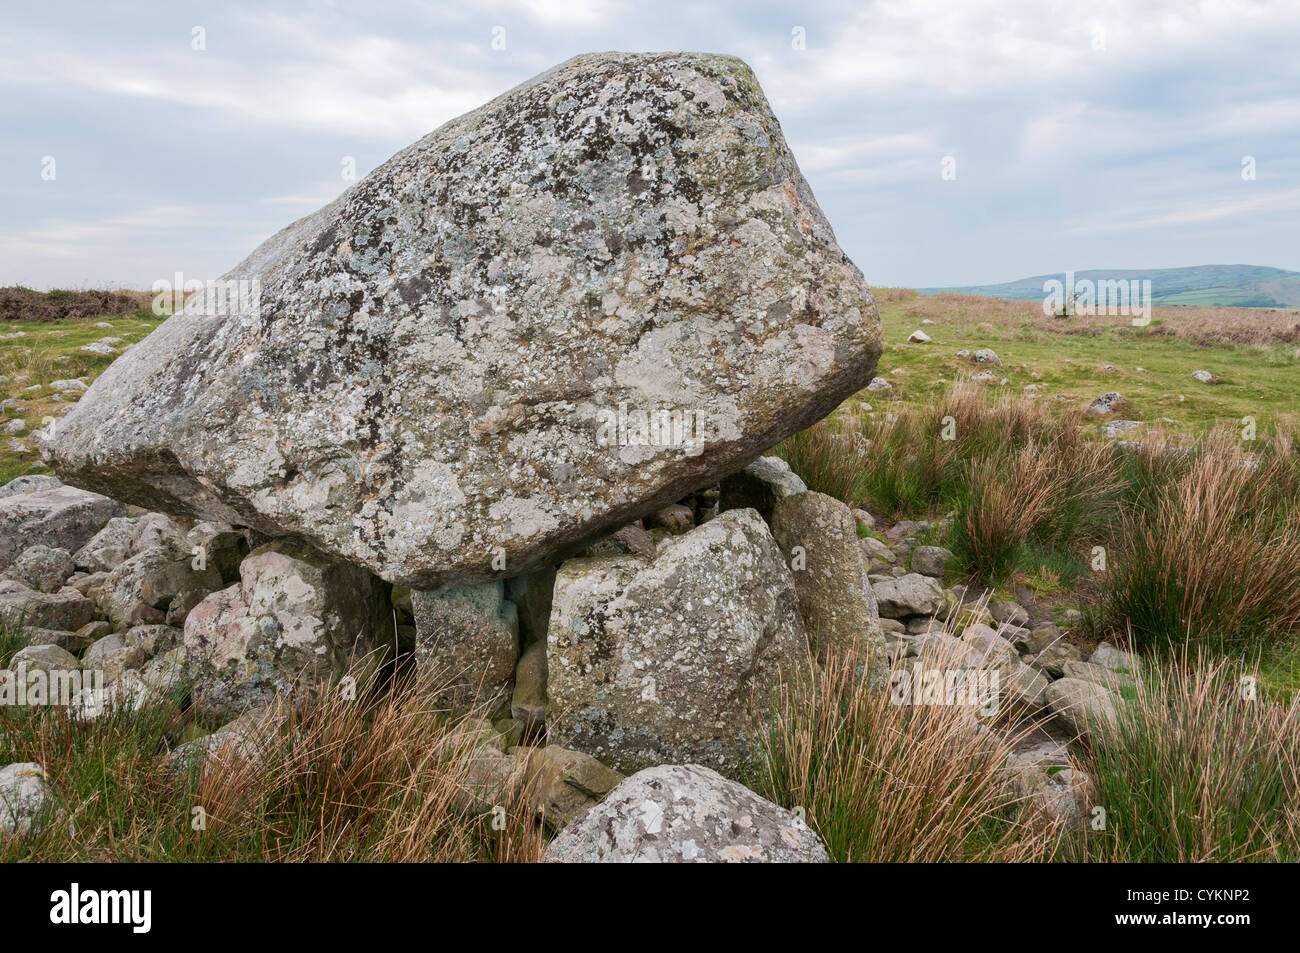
[(883, 782), (379, 780), (1194, 771), (1212, 556)]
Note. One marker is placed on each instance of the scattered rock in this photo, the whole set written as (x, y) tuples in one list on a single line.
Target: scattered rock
[(1080, 706), (1106, 403), (43, 568), (1053, 658), (761, 485), (931, 560), (1205, 377), (1012, 613), (66, 609), (686, 814), (911, 594), (918, 337), (1108, 656), (23, 796), (1117, 427), (44, 658), (986, 355)]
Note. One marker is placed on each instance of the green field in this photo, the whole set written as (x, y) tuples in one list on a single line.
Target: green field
[(1150, 366)]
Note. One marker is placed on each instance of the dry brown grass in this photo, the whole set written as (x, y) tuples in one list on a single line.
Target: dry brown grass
[(885, 782), (1197, 769), (391, 779), (1211, 553)]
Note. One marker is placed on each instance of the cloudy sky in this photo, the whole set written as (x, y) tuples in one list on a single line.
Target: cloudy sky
[(144, 139)]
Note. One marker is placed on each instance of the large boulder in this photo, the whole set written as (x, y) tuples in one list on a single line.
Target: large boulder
[(594, 295), (62, 517), (819, 537), (295, 620), (670, 660), (684, 814)]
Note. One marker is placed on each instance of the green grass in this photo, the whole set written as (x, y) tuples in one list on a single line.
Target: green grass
[(1071, 358), (49, 351), (1195, 770)]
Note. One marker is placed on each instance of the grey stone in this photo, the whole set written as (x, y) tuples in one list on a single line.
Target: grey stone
[(29, 484), (910, 594), (1012, 613), (467, 644), (686, 814), (930, 560), (24, 795), (43, 568), (1108, 656), (761, 485), (295, 621), (1053, 658), (1081, 706), (673, 659), (66, 609)]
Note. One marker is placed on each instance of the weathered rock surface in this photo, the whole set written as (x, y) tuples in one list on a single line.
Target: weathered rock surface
[(911, 594), (44, 568), (67, 609), (686, 814), (1081, 706), (665, 661), (467, 643), (761, 485), (294, 620), (23, 795), (564, 782), (62, 517), (473, 351), (819, 537)]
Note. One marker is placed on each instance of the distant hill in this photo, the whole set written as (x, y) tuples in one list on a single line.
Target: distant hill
[(1229, 286)]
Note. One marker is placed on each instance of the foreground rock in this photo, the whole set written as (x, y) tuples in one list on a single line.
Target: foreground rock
[(686, 814), (569, 308), (819, 537), (666, 661)]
